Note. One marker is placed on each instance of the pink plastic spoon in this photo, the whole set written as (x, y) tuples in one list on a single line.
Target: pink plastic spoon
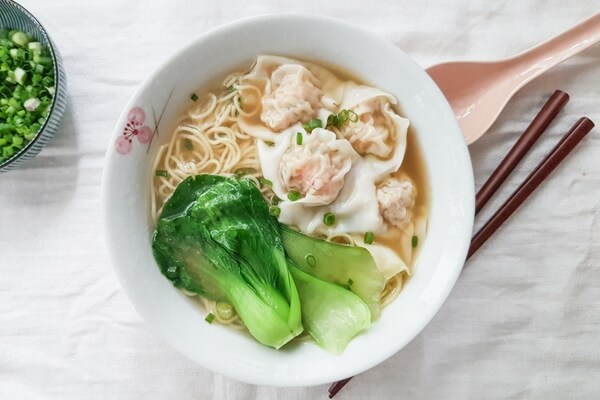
[(478, 91)]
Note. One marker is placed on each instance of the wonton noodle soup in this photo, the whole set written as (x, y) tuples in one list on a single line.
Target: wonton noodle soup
[(332, 157)]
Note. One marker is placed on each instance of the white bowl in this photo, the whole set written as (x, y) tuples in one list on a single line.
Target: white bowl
[(166, 93)]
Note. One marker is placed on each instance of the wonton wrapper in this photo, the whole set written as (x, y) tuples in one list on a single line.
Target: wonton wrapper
[(260, 75), (316, 168), (357, 96), (387, 261), (355, 207)]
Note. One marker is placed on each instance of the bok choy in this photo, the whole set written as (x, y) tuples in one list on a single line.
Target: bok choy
[(216, 238), (351, 267)]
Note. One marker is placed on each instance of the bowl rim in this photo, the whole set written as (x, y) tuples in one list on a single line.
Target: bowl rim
[(469, 199), (57, 82)]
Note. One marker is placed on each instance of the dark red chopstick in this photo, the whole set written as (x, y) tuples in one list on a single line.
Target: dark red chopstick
[(337, 386), (542, 170), (539, 124)]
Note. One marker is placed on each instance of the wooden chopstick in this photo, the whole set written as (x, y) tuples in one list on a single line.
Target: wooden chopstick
[(539, 124), (577, 132), (337, 386)]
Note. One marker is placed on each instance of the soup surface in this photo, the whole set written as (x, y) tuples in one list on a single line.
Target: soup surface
[(334, 161)]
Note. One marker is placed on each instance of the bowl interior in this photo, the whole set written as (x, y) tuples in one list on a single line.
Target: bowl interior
[(14, 17), (164, 95)]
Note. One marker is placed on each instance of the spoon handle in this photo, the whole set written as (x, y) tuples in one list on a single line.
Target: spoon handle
[(544, 56)]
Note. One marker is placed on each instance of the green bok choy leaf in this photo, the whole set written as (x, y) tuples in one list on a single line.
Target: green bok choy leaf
[(216, 238)]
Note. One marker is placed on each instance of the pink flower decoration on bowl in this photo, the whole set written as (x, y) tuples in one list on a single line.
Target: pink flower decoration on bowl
[(134, 128), (123, 145), (145, 134)]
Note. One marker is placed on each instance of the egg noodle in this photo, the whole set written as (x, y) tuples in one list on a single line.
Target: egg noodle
[(209, 140)]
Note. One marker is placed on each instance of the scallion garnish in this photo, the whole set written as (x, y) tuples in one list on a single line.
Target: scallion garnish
[(275, 200), (269, 143), (172, 272), (225, 310), (338, 120), (352, 116), (312, 124), (299, 138), (161, 172), (188, 145), (265, 182), (19, 38), (369, 238), (194, 97), (329, 219), (415, 241), (210, 317), (293, 195), (274, 211), (242, 172), (26, 90), (230, 89)]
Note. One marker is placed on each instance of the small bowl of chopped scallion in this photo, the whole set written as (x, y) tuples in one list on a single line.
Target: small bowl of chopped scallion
[(32, 86)]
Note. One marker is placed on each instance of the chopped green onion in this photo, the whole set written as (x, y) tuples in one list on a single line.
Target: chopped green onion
[(299, 138), (332, 120), (415, 241), (347, 115), (341, 118), (369, 238), (293, 195), (269, 143), (311, 260), (26, 90), (161, 172), (194, 97), (20, 38), (242, 172), (230, 89), (188, 145), (352, 116), (275, 200), (42, 60), (31, 104), (329, 219), (172, 272), (225, 310), (210, 317), (20, 76), (312, 124), (35, 48), (274, 211), (315, 123), (265, 182)]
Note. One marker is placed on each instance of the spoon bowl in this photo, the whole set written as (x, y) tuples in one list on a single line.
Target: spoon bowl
[(479, 91)]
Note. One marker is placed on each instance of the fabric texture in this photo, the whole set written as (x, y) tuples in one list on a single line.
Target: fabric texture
[(523, 321)]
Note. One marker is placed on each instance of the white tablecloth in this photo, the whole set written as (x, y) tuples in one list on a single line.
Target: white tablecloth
[(523, 321)]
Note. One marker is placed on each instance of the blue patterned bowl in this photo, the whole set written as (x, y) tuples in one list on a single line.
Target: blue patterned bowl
[(14, 16)]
